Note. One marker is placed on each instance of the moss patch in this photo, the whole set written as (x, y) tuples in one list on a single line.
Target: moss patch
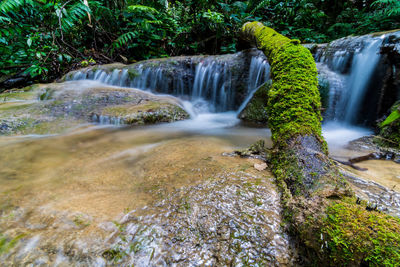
[(148, 112), (8, 243), (124, 110), (355, 236)]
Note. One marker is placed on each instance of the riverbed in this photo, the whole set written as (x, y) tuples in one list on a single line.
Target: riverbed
[(81, 197)]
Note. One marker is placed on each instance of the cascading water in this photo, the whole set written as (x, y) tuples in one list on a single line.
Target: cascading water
[(258, 75), (208, 85), (364, 64), (348, 75)]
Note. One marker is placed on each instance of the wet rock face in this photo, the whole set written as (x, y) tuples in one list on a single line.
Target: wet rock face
[(384, 199), (230, 222)]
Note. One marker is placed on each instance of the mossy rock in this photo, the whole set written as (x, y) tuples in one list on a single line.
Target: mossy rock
[(55, 108), (347, 234), (256, 110), (148, 112)]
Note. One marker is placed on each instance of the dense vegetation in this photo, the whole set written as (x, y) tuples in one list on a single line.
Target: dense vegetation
[(42, 39)]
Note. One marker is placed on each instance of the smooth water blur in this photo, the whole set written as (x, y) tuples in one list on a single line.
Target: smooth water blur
[(211, 81), (338, 135), (348, 75)]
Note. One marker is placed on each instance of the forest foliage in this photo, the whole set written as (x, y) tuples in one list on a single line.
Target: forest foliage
[(42, 39)]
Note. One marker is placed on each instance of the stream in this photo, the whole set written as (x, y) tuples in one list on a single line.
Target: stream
[(105, 194), (170, 190)]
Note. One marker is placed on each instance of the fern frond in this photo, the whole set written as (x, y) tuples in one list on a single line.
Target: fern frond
[(72, 14), (4, 19), (124, 39), (142, 9), (389, 7), (260, 5), (12, 5)]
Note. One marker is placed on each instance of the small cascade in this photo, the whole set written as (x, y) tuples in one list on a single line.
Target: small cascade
[(259, 74), (208, 83), (336, 82), (213, 82), (348, 65)]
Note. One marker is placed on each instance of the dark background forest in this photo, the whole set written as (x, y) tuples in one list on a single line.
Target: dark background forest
[(41, 40)]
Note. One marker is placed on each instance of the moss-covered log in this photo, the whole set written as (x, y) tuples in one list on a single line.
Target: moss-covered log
[(332, 226), (294, 106)]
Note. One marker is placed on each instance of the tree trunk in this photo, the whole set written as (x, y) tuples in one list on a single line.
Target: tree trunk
[(294, 113)]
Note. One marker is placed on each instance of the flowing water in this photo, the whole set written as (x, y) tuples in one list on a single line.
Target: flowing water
[(169, 194), (212, 80), (349, 75)]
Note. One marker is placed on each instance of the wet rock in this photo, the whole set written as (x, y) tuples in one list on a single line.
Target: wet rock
[(255, 111), (257, 150), (385, 199), (232, 221), (260, 167), (377, 146), (53, 108)]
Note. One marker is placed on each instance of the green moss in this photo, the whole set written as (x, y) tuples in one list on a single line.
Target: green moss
[(8, 243), (294, 104), (14, 107), (354, 235), (293, 101), (27, 93)]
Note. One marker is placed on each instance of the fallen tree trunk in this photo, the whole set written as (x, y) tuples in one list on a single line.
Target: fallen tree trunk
[(294, 111), (330, 224)]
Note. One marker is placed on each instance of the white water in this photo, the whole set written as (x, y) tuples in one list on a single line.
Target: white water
[(212, 82), (259, 74), (338, 135), (348, 90), (363, 67)]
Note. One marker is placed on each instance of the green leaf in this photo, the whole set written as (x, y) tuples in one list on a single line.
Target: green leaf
[(395, 115)]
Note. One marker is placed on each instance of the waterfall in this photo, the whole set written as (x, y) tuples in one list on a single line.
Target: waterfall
[(213, 82), (208, 84), (348, 74), (364, 64), (259, 73)]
